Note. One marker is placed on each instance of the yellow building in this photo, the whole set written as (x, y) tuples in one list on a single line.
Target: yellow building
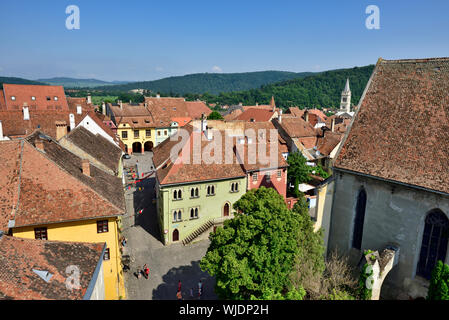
[(135, 126), (49, 193)]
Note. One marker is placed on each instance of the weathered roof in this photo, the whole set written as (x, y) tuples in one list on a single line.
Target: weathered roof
[(15, 126), (96, 146), (297, 127), (35, 186), (18, 258), (401, 129), (196, 108), (44, 97)]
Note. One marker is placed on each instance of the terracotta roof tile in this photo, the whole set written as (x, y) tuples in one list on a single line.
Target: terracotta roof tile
[(255, 115), (44, 97), (18, 258), (196, 108), (400, 131)]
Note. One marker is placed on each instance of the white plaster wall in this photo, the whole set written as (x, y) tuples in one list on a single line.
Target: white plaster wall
[(93, 127)]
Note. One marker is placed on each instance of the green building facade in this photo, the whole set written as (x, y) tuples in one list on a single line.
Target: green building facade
[(187, 210)]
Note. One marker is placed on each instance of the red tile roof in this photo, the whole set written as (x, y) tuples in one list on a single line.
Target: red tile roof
[(400, 131), (15, 126), (197, 108), (18, 258), (44, 97), (52, 180), (256, 115)]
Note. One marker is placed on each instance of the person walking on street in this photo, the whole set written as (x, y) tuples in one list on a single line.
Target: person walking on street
[(179, 295), (200, 289), (179, 285)]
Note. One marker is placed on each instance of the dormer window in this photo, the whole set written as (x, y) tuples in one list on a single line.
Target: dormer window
[(33, 98), (55, 98), (13, 98), (48, 99)]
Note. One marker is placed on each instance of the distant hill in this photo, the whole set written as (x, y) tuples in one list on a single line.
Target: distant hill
[(314, 91), (208, 82), (13, 80), (78, 83)]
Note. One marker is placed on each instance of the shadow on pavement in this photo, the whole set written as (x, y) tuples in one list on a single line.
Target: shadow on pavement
[(143, 199), (189, 276)]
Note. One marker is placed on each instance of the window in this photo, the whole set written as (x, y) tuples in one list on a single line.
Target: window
[(165, 132), (359, 219), (55, 98), (177, 194), (13, 98), (148, 133), (255, 177), (136, 133), (234, 187), (177, 215), (159, 133), (194, 213), (210, 190), (124, 134), (279, 174), (102, 226), (107, 255), (268, 176), (48, 99), (40, 234), (33, 98), (194, 193), (344, 99)]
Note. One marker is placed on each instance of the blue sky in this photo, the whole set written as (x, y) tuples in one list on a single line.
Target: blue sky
[(146, 40)]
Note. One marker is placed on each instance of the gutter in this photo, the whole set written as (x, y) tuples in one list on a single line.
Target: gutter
[(91, 287), (391, 181)]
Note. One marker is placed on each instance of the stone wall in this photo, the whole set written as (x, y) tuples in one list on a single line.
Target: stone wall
[(394, 214)]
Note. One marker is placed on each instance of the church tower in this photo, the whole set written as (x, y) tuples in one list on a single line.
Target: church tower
[(345, 104)]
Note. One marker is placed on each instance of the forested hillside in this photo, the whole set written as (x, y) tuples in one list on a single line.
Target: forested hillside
[(315, 91), (17, 81), (213, 83)]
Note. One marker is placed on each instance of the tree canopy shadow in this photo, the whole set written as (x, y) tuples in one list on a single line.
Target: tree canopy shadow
[(189, 275)]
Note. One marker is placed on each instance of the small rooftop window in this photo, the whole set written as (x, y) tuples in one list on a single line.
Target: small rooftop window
[(33, 98), (48, 99), (56, 98), (13, 98)]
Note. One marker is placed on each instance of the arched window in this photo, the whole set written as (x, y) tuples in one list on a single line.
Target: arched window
[(434, 242), (179, 194), (212, 190), (208, 190), (196, 212), (175, 194), (236, 187), (197, 193), (192, 212), (179, 215), (232, 187), (359, 220), (192, 192)]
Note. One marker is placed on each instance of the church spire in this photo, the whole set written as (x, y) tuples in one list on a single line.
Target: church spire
[(345, 104), (272, 104)]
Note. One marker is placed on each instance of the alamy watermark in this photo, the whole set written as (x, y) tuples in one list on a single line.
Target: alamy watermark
[(73, 280), (73, 20), (373, 20)]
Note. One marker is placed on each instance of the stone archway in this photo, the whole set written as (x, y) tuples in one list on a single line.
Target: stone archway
[(148, 146), (137, 147)]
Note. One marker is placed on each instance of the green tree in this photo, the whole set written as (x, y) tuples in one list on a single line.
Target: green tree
[(253, 254), (439, 282), (309, 261), (298, 171), (215, 115)]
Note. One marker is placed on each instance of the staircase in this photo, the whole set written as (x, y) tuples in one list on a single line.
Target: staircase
[(195, 234)]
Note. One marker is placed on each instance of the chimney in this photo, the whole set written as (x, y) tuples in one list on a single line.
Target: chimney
[(257, 104), (89, 99), (85, 167), (121, 104), (333, 125), (103, 108), (39, 144), (306, 116), (240, 104), (158, 96), (72, 121), (1, 130), (203, 123), (79, 109), (26, 112), (280, 116), (61, 129)]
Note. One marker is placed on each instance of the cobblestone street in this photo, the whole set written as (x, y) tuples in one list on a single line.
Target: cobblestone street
[(168, 264)]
